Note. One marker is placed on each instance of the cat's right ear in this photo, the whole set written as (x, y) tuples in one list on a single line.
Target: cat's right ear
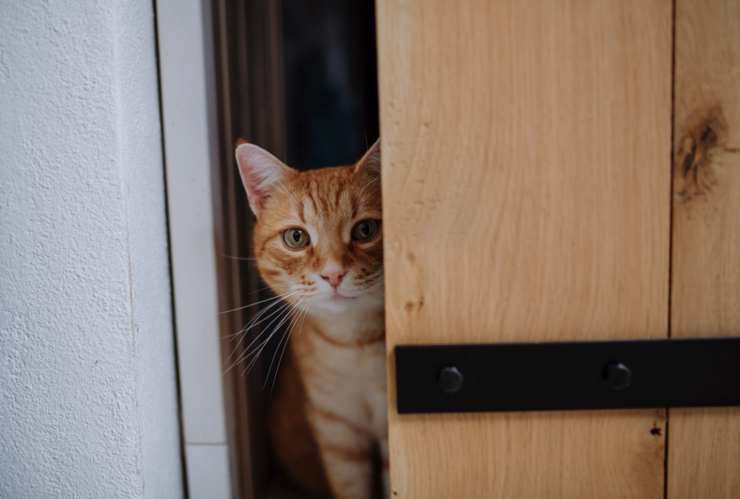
[(261, 173)]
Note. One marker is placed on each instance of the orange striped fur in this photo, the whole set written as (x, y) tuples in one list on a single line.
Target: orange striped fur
[(328, 414)]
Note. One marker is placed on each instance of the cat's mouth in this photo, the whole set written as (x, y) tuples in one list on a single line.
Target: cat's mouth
[(337, 296)]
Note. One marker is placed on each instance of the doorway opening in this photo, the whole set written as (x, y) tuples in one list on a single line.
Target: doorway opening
[(298, 78)]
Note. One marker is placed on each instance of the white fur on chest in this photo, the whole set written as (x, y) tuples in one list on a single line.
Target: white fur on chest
[(351, 382)]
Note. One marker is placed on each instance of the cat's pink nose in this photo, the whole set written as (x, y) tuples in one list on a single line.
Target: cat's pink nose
[(334, 277)]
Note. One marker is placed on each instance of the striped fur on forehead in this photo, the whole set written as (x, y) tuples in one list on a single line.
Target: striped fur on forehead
[(338, 192), (326, 193)]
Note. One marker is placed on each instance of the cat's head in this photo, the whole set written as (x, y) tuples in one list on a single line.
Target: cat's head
[(318, 238)]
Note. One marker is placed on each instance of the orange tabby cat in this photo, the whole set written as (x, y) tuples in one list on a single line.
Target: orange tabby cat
[(318, 244)]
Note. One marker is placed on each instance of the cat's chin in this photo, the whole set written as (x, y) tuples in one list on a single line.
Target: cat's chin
[(337, 296), (337, 303), (330, 306)]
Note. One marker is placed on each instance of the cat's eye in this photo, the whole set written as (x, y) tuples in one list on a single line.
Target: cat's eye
[(295, 238), (365, 230)]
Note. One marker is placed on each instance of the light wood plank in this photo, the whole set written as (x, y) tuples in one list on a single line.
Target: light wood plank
[(704, 445), (526, 181)]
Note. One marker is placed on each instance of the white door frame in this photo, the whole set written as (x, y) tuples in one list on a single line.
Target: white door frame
[(189, 117)]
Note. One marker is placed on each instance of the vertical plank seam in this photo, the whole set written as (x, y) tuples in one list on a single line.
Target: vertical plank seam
[(670, 228)]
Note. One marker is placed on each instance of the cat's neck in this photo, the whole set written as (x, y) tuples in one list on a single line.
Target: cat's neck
[(351, 326)]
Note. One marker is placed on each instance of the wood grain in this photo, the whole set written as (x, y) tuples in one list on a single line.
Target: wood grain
[(526, 182), (704, 445)]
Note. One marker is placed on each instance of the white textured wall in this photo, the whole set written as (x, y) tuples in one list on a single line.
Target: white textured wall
[(87, 376)]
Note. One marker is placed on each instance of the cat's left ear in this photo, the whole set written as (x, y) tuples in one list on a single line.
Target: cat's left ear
[(370, 162), (261, 173)]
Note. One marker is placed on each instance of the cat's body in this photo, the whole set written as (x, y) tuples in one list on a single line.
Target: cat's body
[(318, 244), (340, 408)]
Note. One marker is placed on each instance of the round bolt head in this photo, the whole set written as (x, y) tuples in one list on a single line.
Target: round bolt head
[(618, 376), (450, 379)]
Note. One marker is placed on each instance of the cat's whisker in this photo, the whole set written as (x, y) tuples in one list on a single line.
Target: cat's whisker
[(288, 316), (240, 258), (253, 304), (256, 352), (373, 286), (275, 315), (285, 309), (256, 321), (252, 323), (243, 332), (294, 311), (304, 291), (284, 341), (244, 328), (253, 293), (300, 318), (373, 281)]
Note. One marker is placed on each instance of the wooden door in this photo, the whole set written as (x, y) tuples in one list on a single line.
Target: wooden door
[(527, 152), (704, 445)]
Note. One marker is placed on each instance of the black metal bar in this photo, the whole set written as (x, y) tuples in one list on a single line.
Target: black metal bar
[(565, 376)]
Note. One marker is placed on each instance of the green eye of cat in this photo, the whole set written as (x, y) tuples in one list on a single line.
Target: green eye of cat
[(365, 230), (295, 238)]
